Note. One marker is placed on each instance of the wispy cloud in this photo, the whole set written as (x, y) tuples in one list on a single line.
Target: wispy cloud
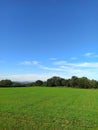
[(39, 65), (67, 69), (51, 68), (29, 63), (60, 63), (91, 55), (28, 77), (73, 58), (53, 59), (62, 71), (77, 64), (86, 64)]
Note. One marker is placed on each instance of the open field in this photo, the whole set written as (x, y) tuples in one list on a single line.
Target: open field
[(43, 108)]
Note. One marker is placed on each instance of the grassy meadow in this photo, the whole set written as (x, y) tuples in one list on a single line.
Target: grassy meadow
[(41, 108)]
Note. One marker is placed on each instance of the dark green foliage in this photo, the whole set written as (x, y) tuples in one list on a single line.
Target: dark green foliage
[(84, 82), (16, 84), (45, 83), (38, 83), (63, 82), (5, 83), (94, 84), (55, 81), (74, 81)]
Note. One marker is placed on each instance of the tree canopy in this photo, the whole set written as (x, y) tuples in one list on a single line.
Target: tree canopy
[(55, 81)]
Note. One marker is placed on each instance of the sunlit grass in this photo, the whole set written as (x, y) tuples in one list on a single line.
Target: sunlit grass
[(48, 109)]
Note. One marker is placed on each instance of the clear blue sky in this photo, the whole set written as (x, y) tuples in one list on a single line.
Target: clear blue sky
[(42, 38)]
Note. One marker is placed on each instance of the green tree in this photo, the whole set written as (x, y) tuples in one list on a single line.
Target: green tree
[(6, 83), (54, 81), (84, 82), (38, 83), (64, 82), (74, 81)]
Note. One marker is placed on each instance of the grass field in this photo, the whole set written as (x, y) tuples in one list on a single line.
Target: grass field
[(48, 109)]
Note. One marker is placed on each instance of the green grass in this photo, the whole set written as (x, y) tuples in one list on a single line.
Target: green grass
[(48, 109)]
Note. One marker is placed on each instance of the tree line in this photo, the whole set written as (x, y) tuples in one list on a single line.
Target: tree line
[(74, 82)]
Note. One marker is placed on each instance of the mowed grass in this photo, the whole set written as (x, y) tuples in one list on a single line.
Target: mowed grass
[(41, 108)]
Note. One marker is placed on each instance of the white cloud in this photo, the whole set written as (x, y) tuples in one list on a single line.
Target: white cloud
[(28, 77), (89, 54), (60, 63), (73, 58), (77, 64), (26, 63), (29, 63), (87, 64), (53, 58), (62, 71), (35, 62), (51, 68), (39, 65), (60, 68)]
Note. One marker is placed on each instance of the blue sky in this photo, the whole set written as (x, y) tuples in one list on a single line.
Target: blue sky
[(43, 38)]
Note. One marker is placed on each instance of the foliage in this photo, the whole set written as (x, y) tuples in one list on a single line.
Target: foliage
[(74, 82), (16, 84), (38, 83), (55, 81), (5, 83)]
